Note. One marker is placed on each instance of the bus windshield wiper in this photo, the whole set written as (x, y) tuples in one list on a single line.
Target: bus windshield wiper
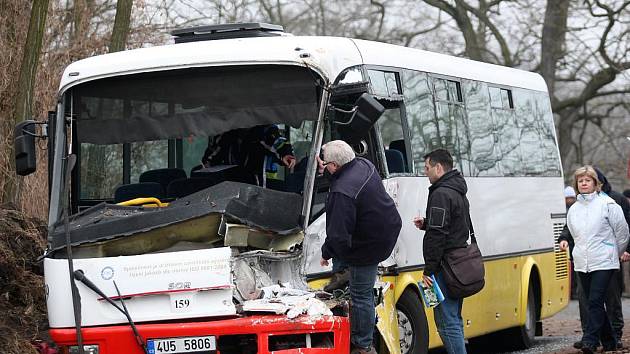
[(80, 276)]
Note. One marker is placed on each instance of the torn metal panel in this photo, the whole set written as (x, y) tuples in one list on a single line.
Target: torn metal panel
[(199, 233), (387, 323), (260, 208), (243, 236)]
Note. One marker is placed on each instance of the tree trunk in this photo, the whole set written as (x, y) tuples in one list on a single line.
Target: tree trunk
[(121, 26), (25, 87), (566, 120), (553, 40), (460, 15)]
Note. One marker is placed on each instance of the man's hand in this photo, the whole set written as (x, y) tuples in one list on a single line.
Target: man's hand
[(323, 262), (564, 245), (320, 165), (418, 221), (625, 257), (428, 282), (289, 161)]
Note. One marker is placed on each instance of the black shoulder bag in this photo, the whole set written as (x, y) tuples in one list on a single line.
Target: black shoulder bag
[(463, 268)]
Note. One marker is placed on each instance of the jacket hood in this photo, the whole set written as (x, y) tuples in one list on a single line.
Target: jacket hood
[(452, 179), (606, 187)]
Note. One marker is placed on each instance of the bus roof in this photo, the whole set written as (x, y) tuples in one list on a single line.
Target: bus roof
[(377, 53), (328, 55)]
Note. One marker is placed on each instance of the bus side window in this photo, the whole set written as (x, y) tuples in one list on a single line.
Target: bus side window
[(484, 137), (451, 122), (393, 139), (420, 116), (436, 118)]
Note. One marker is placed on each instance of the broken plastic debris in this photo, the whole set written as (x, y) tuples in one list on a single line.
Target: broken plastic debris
[(293, 302)]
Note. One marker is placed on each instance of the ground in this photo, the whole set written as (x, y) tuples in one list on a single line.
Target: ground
[(567, 324)]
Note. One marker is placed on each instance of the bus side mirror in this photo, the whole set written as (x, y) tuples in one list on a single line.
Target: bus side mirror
[(24, 147), (367, 110)]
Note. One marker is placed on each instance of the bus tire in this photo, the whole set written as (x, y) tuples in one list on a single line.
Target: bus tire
[(412, 324), (522, 337), (528, 330), (511, 339)]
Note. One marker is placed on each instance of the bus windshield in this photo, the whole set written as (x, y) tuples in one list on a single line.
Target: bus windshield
[(127, 127)]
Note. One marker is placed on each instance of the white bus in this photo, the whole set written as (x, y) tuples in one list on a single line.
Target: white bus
[(139, 121)]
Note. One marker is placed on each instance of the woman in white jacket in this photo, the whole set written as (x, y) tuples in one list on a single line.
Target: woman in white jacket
[(600, 233)]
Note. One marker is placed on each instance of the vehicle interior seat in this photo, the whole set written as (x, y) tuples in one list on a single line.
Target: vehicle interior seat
[(395, 161), (138, 190), (400, 146), (163, 176), (186, 186)]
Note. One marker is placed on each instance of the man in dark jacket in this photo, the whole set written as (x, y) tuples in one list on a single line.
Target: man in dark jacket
[(446, 228), (362, 226), (615, 288)]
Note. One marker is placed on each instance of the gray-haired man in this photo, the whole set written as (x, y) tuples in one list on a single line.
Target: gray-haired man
[(362, 226)]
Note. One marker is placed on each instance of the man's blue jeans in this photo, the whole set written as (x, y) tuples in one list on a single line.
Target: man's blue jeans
[(448, 320), (362, 320)]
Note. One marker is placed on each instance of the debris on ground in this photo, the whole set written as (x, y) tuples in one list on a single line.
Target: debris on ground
[(22, 295)]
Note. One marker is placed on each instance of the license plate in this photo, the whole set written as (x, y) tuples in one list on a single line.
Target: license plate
[(181, 345)]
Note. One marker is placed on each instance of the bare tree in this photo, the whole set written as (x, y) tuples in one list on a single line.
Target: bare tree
[(579, 69), (121, 26), (25, 84)]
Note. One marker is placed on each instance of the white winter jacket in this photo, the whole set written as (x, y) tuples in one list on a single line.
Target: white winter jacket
[(599, 230)]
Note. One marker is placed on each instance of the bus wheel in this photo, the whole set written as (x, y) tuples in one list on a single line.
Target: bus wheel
[(528, 330), (522, 337), (412, 324)]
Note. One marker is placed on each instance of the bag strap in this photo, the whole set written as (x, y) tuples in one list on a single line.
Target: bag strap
[(471, 229)]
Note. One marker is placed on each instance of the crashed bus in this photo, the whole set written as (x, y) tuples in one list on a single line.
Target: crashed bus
[(149, 253)]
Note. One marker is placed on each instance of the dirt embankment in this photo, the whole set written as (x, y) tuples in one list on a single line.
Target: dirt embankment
[(22, 294)]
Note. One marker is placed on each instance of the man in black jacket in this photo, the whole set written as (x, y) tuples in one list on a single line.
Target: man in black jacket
[(446, 228), (362, 226)]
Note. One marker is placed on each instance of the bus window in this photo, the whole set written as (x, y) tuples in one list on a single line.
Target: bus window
[(148, 155), (509, 133), (101, 170), (530, 142), (481, 130), (450, 120), (383, 83), (193, 148), (420, 115), (392, 136), (544, 117)]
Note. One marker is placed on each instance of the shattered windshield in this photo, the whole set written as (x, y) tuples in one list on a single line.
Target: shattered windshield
[(170, 134)]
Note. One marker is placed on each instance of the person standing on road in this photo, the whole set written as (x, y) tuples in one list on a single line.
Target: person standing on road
[(600, 233), (446, 227), (613, 297), (615, 288), (362, 226), (569, 196)]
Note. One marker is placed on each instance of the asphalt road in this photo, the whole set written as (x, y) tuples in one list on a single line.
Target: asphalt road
[(559, 333)]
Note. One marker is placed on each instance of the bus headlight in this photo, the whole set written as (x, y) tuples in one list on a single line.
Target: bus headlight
[(87, 349)]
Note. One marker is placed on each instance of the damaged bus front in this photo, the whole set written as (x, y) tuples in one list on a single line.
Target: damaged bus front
[(150, 252)]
